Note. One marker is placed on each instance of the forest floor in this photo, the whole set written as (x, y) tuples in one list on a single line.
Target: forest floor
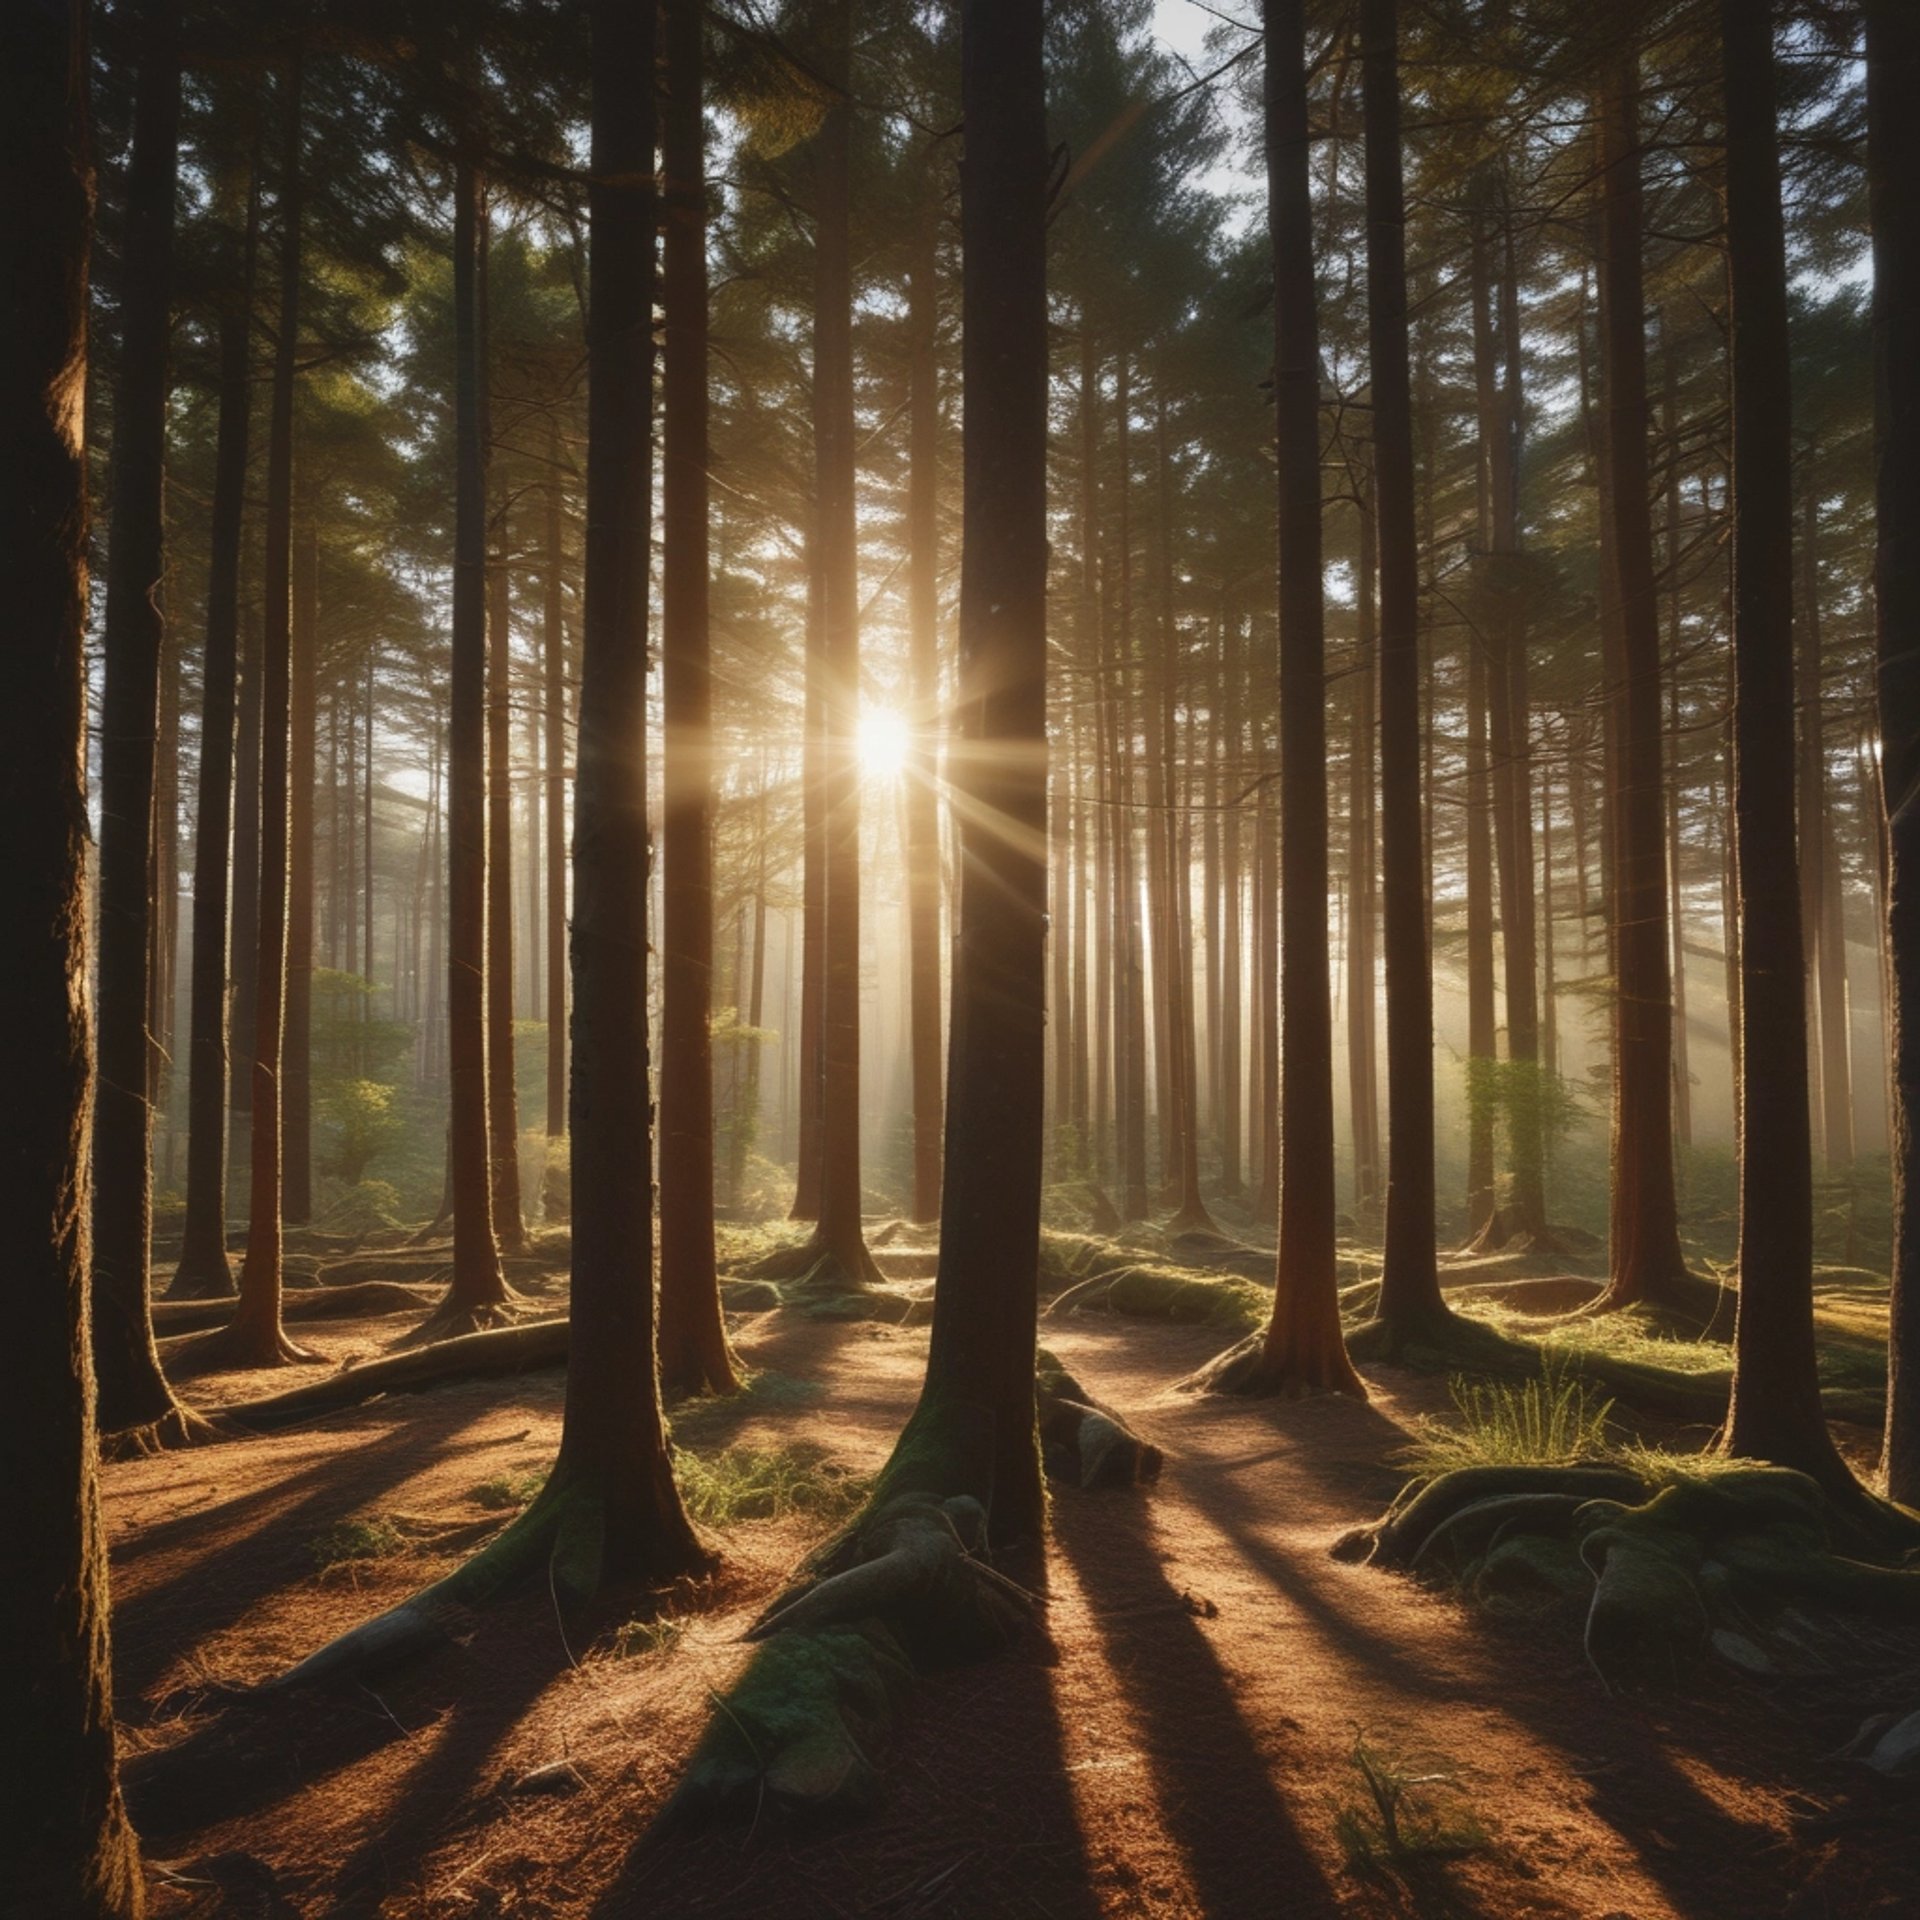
[(1179, 1741)]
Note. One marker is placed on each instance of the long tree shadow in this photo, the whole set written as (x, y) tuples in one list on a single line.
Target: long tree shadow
[(979, 1820), (1684, 1839), (1242, 1840)]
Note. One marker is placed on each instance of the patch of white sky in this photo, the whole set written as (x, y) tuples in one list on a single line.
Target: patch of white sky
[(1200, 35)]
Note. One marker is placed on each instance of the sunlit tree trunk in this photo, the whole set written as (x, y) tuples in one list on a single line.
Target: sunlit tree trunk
[(1233, 904), (694, 1355), (1362, 1064), (1302, 1349), (554, 672), (503, 1104), (923, 613), (69, 1849)]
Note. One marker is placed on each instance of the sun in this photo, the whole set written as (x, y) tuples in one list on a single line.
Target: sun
[(883, 743)]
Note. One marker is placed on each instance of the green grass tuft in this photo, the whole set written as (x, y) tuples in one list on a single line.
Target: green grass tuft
[(508, 1491), (351, 1540), (640, 1637), (752, 1483), (1555, 1420)]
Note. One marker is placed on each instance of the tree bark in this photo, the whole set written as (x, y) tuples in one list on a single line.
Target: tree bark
[(478, 1288), (133, 1392), (1363, 1081), (257, 1337), (982, 1349), (296, 1044), (1775, 1412), (70, 1849), (554, 644), (1893, 175), (1410, 1299), (204, 1272), (503, 1101), (694, 1355), (1644, 1243), (1302, 1349), (923, 609), (613, 1438)]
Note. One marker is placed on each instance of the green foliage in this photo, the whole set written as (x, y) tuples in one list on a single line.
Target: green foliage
[(508, 1490), (752, 1483), (1555, 1420), (359, 1121), (1403, 1818), (351, 1540)]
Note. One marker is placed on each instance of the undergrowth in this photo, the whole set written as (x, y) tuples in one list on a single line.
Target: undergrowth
[(351, 1540), (1403, 1818), (752, 1483), (1557, 1419)]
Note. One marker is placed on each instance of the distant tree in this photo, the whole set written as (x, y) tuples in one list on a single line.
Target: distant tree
[(70, 1851), (1410, 1303), (1302, 1348), (1644, 1242), (204, 1271), (1893, 174)]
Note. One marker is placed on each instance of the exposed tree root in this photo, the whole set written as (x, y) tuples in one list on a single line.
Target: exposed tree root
[(521, 1349), (182, 1427), (1209, 1247), (906, 1585), (364, 1300), (1251, 1369), (1684, 1303), (800, 1731), (203, 1280), (1543, 1295), (564, 1529), (1083, 1441), (239, 1346), (813, 1268), (455, 1319), (1699, 1565)]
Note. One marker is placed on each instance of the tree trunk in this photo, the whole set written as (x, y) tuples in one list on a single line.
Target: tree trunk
[(1410, 1299), (923, 610), (1644, 1243), (133, 1393), (1233, 922), (694, 1355), (70, 1850), (1775, 1412), (1302, 1349), (1363, 1080), (204, 1272), (554, 661), (503, 1103), (478, 1289), (613, 1439), (244, 914), (296, 1045), (839, 1235), (256, 1337), (1893, 174), (1132, 1013), (981, 1354)]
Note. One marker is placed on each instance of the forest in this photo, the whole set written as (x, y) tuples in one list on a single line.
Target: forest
[(1136, 783)]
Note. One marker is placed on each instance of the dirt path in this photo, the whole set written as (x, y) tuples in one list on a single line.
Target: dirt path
[(1181, 1747)]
